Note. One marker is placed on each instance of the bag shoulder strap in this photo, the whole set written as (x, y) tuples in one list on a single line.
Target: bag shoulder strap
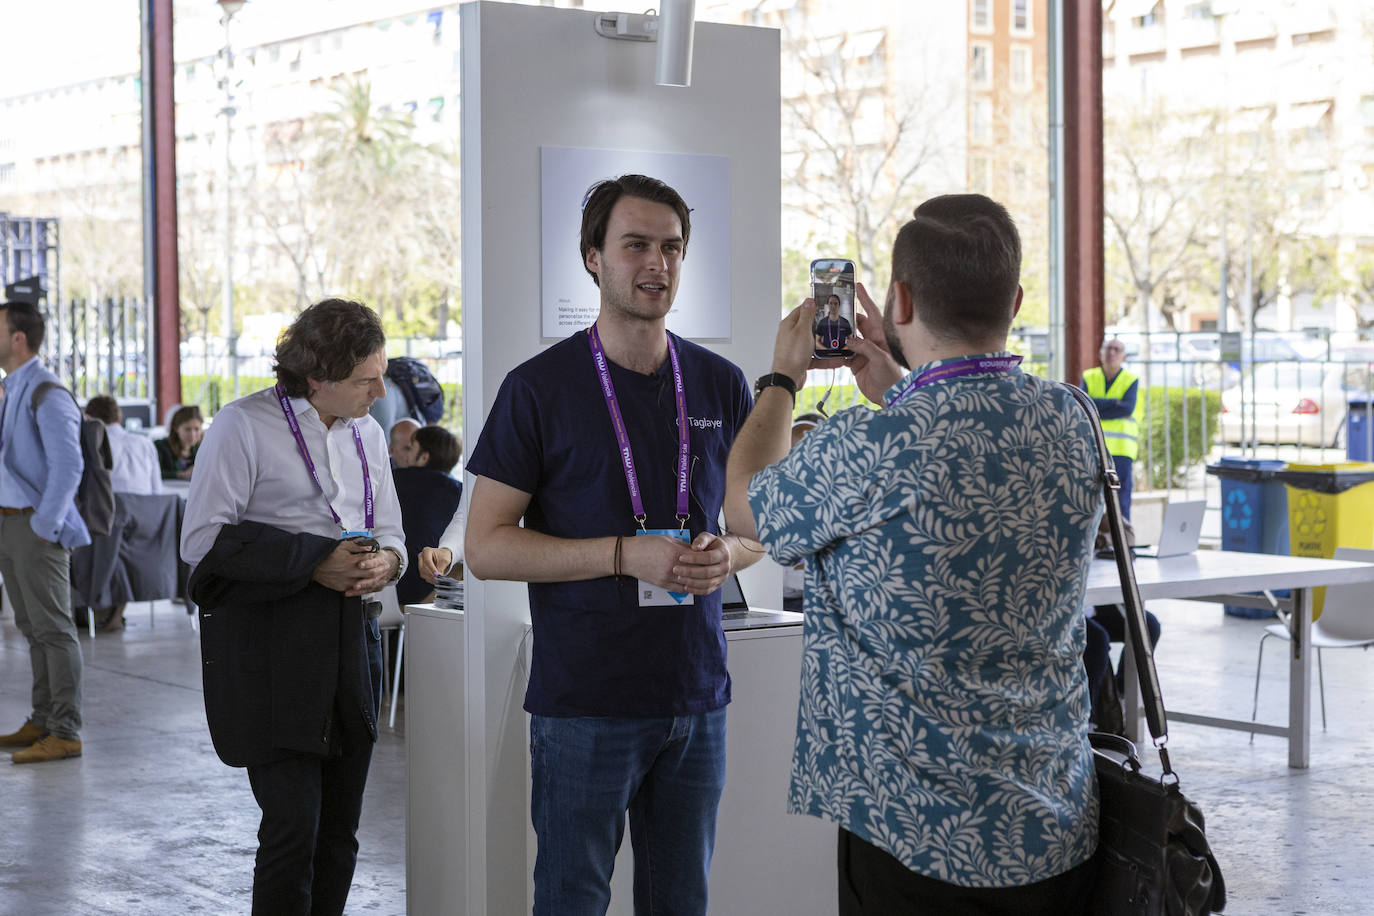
[(1143, 653), (40, 392)]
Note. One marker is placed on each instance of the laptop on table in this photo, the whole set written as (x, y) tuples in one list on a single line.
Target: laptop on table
[(1179, 532), (732, 603)]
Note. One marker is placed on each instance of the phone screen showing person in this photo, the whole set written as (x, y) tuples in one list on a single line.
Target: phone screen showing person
[(832, 288)]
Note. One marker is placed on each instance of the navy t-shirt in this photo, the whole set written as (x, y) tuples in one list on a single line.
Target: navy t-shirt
[(834, 331), (549, 434)]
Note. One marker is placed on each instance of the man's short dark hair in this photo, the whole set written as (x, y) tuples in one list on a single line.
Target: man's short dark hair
[(443, 447), (960, 256), (326, 342), (25, 316), (104, 408), (601, 198)]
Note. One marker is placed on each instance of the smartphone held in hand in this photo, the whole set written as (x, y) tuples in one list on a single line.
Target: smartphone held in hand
[(832, 288)]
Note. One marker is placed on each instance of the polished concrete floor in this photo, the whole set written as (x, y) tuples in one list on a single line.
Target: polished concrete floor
[(148, 821)]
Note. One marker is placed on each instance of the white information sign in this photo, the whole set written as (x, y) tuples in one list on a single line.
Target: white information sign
[(570, 300)]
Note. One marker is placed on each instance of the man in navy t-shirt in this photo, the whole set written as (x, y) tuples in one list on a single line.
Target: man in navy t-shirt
[(832, 329), (611, 445)]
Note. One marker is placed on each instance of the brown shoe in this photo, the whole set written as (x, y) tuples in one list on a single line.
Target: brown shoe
[(50, 748), (28, 734)]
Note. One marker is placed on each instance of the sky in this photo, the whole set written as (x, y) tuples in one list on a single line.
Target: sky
[(65, 41)]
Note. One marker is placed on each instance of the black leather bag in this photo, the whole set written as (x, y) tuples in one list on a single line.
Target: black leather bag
[(1152, 853), (1153, 858)]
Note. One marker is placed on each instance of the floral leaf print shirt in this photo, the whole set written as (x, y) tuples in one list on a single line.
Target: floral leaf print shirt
[(944, 707)]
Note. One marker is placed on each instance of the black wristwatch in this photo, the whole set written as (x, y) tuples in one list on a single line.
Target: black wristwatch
[(784, 382)]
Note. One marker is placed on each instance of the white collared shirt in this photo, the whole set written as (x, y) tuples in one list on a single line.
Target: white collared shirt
[(455, 535), (248, 469), (136, 469)]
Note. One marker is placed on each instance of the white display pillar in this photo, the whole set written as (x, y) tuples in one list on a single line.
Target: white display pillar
[(539, 77)]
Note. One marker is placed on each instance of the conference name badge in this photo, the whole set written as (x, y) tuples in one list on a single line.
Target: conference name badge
[(651, 595)]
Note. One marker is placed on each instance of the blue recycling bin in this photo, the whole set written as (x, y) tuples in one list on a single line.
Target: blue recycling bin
[(1254, 513), (1357, 423)]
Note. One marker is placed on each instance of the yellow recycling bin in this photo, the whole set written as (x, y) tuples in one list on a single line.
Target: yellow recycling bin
[(1329, 506)]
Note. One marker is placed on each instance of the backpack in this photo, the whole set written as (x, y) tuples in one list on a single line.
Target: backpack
[(94, 495), (424, 398)]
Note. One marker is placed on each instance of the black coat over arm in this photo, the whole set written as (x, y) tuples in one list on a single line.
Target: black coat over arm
[(281, 654)]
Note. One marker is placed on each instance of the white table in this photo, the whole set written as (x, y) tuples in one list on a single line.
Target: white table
[(1221, 576)]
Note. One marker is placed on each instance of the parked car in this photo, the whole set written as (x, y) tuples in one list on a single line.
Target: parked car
[(1201, 348), (1269, 350), (1293, 403), (1361, 353)]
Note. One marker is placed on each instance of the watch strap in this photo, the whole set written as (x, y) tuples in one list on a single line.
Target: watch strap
[(777, 379)]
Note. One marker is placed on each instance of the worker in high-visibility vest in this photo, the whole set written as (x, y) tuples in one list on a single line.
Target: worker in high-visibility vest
[(1114, 390)]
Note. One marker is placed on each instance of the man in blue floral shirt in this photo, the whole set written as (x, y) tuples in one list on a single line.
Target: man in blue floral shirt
[(944, 708)]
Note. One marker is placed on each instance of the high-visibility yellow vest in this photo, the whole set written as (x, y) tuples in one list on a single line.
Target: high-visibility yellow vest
[(1123, 436)]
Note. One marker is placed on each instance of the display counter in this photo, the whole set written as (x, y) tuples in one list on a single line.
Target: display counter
[(766, 860), (436, 787)]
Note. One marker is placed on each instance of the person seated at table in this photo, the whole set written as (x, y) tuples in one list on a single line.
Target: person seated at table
[(135, 457), (176, 454), (1106, 625), (429, 499), (134, 469), (402, 435)]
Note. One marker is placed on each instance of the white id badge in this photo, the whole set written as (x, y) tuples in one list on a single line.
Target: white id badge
[(651, 595)]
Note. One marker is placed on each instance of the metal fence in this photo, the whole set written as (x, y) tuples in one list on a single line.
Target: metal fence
[(1297, 397), (100, 347), (1286, 396)]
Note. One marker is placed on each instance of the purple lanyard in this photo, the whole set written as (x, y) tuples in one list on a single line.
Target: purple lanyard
[(622, 438), (955, 369), (369, 518)]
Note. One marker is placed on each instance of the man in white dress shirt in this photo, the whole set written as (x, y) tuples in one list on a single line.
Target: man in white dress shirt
[(135, 457), (135, 467), (291, 519)]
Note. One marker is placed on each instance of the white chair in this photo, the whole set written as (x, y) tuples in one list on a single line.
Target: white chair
[(393, 618), (1347, 622)]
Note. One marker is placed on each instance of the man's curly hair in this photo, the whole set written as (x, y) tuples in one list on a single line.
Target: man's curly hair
[(326, 342)]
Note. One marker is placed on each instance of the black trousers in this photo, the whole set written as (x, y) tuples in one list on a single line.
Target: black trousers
[(307, 839), (874, 883)]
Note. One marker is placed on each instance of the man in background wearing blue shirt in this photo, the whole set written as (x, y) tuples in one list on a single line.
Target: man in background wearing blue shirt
[(40, 469), (944, 707), (611, 445)]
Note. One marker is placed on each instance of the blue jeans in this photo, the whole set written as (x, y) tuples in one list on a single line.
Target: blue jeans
[(586, 772)]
